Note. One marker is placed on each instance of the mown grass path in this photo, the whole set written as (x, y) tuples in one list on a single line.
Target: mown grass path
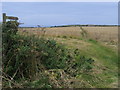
[(106, 59)]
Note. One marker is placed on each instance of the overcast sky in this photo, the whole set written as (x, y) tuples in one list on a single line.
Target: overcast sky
[(62, 13)]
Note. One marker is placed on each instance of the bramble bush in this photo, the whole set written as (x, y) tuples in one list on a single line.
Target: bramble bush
[(24, 55)]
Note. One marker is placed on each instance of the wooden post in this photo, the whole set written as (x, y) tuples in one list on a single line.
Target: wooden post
[(8, 17), (4, 17), (12, 18)]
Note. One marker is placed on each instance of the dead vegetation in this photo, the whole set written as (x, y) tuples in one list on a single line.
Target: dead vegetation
[(104, 34)]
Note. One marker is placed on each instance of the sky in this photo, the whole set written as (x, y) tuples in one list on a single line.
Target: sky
[(63, 13), (60, 0)]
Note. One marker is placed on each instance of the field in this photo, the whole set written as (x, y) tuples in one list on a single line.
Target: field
[(99, 43), (60, 57), (107, 35), (98, 33)]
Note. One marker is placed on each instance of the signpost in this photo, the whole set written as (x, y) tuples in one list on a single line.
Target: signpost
[(8, 17)]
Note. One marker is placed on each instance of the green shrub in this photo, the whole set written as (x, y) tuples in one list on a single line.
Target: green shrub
[(93, 41), (24, 55), (64, 36), (78, 64)]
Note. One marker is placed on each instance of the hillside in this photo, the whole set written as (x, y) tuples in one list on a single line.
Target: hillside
[(44, 58), (98, 43)]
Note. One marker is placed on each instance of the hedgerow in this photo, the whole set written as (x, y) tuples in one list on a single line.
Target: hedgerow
[(24, 56)]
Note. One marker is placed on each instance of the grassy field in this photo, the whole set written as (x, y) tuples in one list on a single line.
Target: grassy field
[(98, 33), (99, 43)]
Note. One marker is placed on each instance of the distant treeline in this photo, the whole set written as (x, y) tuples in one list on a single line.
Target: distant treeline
[(84, 25), (77, 26)]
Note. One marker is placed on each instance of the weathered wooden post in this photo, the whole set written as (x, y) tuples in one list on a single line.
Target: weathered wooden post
[(8, 17), (4, 17)]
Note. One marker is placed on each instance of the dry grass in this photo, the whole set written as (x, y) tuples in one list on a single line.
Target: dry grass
[(103, 33), (98, 33), (59, 31)]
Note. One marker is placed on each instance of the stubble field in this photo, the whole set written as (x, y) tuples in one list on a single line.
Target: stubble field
[(99, 33)]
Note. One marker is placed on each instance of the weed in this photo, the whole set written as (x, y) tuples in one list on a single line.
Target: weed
[(64, 36), (92, 41)]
